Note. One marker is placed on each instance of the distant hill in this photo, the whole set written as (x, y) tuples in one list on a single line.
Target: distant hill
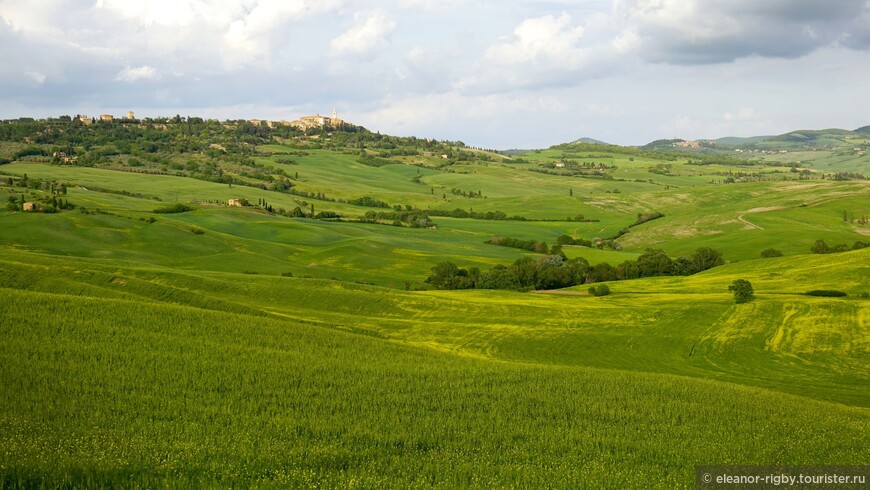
[(516, 151), (816, 138), (738, 141), (663, 144), (590, 141), (812, 135)]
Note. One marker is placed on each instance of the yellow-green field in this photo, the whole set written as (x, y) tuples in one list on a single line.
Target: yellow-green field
[(251, 347)]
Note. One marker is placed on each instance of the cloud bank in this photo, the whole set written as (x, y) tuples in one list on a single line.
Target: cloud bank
[(495, 73)]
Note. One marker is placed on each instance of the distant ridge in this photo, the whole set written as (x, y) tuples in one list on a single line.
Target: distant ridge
[(590, 141), (738, 141), (831, 137)]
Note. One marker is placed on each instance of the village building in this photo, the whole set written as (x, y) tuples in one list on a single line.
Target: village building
[(107, 118), (85, 120), (317, 121)]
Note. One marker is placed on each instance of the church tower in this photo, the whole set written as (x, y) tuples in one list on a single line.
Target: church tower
[(335, 121)]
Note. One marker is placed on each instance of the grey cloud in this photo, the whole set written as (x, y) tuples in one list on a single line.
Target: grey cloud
[(858, 35), (720, 32)]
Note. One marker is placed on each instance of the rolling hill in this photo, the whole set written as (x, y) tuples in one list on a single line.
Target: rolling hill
[(152, 334)]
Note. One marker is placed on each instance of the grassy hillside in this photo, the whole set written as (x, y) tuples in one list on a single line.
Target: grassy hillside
[(185, 395), (293, 341), (686, 325)]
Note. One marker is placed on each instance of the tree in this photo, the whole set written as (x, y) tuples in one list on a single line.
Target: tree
[(442, 274), (654, 262), (526, 271), (603, 272), (820, 247), (706, 258), (683, 267), (627, 270), (742, 290), (578, 269), (499, 277)]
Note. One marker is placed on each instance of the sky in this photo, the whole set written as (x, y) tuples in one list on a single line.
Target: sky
[(493, 74)]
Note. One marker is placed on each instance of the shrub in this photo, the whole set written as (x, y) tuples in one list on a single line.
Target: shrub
[(828, 293), (742, 290), (175, 208), (600, 290), (770, 252), (820, 247)]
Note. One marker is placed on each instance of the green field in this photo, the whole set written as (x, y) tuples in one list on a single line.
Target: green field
[(244, 346)]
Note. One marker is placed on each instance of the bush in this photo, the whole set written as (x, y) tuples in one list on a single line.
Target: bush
[(827, 293), (600, 290), (770, 252), (175, 208), (820, 247), (742, 290)]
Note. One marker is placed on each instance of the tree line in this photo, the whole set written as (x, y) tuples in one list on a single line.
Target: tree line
[(556, 271), (821, 247)]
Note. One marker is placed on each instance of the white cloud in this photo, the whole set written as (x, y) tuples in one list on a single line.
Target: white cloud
[(544, 39), (516, 72), (172, 13), (369, 32), (237, 32), (433, 5), (36, 76), (134, 74), (37, 16), (542, 52), (744, 114), (598, 110)]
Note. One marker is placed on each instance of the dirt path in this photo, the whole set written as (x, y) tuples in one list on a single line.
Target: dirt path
[(751, 226)]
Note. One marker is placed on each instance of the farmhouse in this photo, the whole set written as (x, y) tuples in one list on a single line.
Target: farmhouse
[(234, 202), (30, 206)]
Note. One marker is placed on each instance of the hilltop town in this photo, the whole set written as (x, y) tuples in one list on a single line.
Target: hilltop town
[(304, 123)]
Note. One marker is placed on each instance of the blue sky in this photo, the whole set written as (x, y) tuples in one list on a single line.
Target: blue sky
[(496, 74)]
